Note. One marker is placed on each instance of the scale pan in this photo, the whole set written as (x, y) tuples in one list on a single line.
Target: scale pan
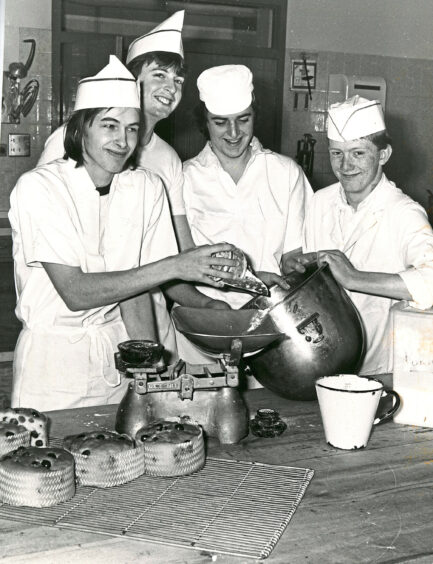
[(213, 330)]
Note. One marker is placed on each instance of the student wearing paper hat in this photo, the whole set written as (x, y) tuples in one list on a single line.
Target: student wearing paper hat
[(157, 61), (89, 232), (238, 190), (376, 240)]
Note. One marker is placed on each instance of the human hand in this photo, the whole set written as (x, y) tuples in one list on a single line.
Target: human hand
[(196, 265), (271, 278), (295, 262), (341, 267)]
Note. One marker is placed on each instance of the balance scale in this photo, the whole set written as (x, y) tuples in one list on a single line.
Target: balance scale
[(207, 393)]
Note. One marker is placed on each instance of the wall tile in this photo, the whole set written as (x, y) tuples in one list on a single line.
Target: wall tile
[(408, 114), (42, 37), (45, 86), (352, 64), (427, 79), (38, 121), (336, 63)]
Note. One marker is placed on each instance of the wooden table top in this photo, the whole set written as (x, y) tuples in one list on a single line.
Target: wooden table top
[(372, 505)]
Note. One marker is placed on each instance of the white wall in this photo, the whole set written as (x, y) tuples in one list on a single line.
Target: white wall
[(35, 14), (28, 13), (395, 28)]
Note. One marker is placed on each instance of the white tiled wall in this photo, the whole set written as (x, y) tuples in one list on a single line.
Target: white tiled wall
[(38, 122), (408, 115)]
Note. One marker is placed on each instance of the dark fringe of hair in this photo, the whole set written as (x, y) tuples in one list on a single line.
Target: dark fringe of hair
[(163, 59), (73, 141), (200, 115), (380, 139)]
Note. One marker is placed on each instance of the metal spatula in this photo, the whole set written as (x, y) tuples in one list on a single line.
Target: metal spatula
[(248, 283)]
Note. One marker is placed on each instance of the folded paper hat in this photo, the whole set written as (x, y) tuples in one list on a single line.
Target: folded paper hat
[(354, 118), (113, 87), (164, 37), (226, 89)]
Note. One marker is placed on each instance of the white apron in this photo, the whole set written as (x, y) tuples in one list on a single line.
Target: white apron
[(65, 359), (160, 158)]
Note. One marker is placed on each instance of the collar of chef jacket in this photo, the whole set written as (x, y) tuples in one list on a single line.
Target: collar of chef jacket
[(87, 202), (367, 214), (208, 158)]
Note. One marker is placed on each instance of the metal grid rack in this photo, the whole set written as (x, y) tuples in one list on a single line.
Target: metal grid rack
[(230, 507)]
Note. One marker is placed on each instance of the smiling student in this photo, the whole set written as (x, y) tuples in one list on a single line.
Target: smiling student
[(377, 240), (90, 231), (234, 188), (239, 191), (156, 60)]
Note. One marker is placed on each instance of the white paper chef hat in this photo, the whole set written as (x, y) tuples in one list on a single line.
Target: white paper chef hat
[(226, 89), (164, 37), (355, 118), (113, 87)]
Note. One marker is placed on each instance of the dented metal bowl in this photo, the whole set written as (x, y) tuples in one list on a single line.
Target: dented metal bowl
[(323, 334)]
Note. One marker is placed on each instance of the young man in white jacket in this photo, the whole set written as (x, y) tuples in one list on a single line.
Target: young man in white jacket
[(90, 232), (236, 189), (156, 59), (377, 240)]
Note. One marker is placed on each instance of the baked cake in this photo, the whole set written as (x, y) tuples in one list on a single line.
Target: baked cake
[(31, 419), (104, 458), (172, 447), (36, 476), (12, 436)]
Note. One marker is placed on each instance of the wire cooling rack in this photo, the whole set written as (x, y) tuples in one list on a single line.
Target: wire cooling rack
[(229, 507)]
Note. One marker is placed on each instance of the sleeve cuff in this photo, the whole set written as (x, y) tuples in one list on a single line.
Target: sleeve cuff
[(420, 288)]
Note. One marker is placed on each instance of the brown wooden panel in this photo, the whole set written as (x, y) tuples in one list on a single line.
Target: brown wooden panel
[(77, 54), (80, 59)]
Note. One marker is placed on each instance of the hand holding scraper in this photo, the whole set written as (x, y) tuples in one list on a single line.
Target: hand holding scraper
[(243, 277)]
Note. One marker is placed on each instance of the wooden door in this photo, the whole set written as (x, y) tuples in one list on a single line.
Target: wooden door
[(215, 32), (81, 56)]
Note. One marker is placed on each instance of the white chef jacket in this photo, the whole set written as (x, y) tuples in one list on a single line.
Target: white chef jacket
[(159, 157), (262, 213), (390, 233), (63, 358)]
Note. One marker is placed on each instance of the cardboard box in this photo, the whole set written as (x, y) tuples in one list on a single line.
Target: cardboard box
[(413, 364)]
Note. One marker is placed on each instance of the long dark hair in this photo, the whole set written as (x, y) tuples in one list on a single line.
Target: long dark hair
[(75, 127)]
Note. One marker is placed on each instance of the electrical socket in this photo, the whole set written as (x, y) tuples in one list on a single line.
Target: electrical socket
[(19, 145)]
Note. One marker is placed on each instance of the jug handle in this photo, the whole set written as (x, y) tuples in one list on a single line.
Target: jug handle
[(393, 409)]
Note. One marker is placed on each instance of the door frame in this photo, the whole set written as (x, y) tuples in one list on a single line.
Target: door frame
[(203, 46)]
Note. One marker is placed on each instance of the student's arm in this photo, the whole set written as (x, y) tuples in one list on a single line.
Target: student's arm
[(183, 232), (374, 283), (138, 317), (86, 290), (187, 295)]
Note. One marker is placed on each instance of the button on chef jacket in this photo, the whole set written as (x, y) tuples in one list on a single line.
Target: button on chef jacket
[(65, 358), (388, 233)]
